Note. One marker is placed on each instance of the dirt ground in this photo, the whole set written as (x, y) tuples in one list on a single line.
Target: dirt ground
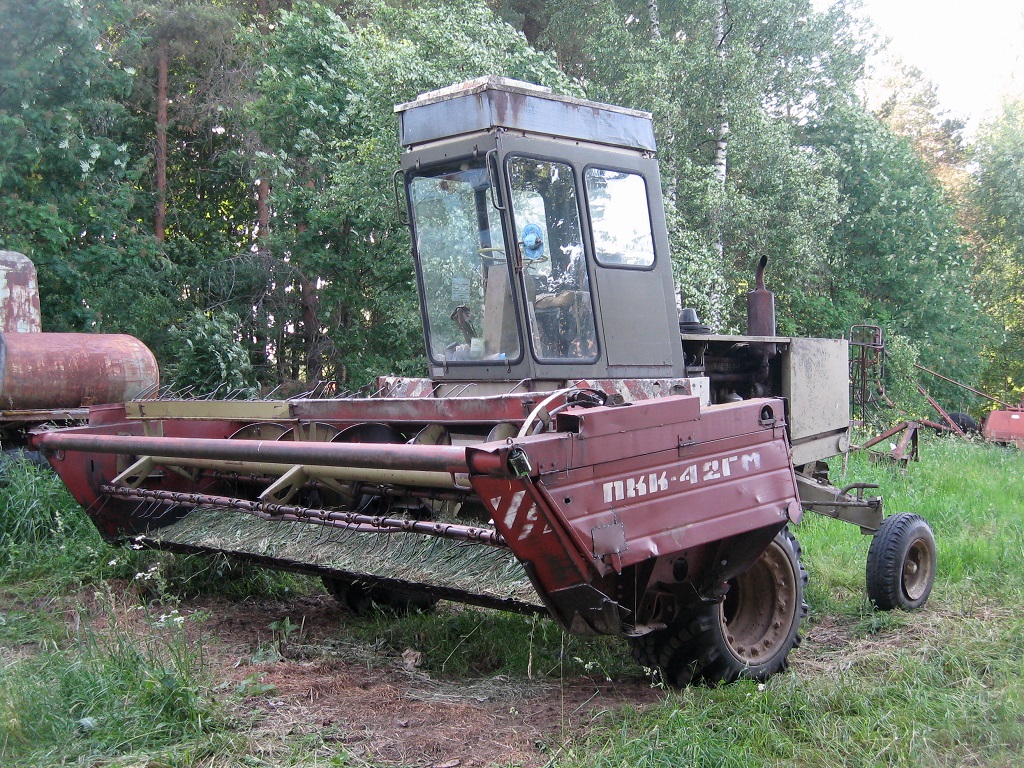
[(381, 709), (397, 714)]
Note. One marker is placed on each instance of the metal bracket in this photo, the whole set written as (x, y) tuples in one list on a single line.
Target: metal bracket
[(136, 474), (835, 502), (494, 178), (609, 539), (400, 207), (282, 489)]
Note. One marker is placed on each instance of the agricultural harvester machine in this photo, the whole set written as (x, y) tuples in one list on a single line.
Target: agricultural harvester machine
[(579, 450)]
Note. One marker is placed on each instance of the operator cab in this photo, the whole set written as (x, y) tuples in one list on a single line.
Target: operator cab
[(538, 234)]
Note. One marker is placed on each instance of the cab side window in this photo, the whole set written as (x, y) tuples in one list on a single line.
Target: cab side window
[(620, 218)]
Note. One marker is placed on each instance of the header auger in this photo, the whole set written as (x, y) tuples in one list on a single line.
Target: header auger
[(572, 453)]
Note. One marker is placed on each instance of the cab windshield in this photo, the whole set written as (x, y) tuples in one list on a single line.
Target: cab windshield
[(467, 285), (468, 277)]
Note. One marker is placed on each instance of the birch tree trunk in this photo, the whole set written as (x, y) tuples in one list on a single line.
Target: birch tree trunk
[(652, 12), (721, 157)]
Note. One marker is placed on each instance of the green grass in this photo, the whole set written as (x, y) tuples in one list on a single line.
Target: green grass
[(43, 534), (474, 642), (938, 687), (86, 695)]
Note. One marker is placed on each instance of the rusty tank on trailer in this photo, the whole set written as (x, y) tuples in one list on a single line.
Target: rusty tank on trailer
[(55, 377), (41, 371), (577, 451)]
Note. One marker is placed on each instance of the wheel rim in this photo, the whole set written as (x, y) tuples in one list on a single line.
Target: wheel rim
[(917, 570), (758, 612)]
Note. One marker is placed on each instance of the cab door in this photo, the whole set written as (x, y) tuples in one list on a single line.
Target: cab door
[(632, 269)]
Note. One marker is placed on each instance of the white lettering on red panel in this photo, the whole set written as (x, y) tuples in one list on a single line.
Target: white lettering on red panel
[(690, 474)]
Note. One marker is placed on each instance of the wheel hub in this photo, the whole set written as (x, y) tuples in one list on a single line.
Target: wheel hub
[(917, 574), (758, 610)]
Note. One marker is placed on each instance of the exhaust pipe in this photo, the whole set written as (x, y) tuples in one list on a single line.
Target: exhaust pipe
[(761, 320), (761, 306)]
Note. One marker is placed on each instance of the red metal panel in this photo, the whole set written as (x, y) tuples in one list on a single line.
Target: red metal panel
[(535, 533), (625, 490), (1005, 426), (60, 370), (630, 418), (664, 503)]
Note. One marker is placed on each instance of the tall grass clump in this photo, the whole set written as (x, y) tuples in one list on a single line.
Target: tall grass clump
[(115, 693), (43, 532)]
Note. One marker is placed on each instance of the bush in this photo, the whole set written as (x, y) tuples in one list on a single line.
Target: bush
[(210, 357)]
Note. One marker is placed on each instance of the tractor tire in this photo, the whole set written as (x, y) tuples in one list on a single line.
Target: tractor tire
[(964, 421), (749, 634), (901, 563), (361, 598)]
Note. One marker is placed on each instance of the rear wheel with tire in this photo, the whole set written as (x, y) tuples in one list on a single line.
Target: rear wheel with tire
[(749, 634), (901, 563), (362, 598)]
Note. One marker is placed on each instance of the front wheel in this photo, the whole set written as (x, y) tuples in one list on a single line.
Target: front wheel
[(749, 634), (901, 563)]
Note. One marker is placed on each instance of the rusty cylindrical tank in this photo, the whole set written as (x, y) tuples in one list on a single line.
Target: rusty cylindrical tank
[(40, 371)]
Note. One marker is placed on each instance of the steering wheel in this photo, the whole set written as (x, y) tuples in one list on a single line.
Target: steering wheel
[(494, 253)]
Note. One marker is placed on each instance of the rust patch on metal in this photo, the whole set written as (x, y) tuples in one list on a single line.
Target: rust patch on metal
[(19, 294)]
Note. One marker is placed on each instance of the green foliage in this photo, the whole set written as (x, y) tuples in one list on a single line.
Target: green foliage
[(783, 203), (999, 196), (911, 109), (104, 695), (68, 179), (43, 532), (898, 248), (211, 357), (901, 377)]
